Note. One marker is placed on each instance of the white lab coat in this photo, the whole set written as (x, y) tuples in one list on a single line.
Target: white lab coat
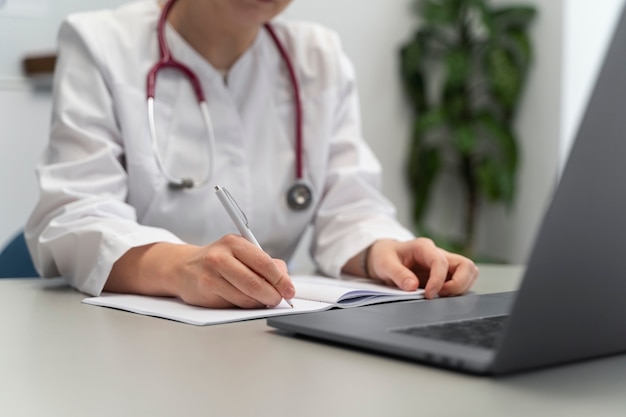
[(102, 192)]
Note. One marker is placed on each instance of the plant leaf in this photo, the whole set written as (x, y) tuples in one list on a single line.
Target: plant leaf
[(513, 17), (424, 160), (413, 79), (498, 165), (457, 67), (489, 177), (518, 43), (440, 12), (464, 70), (424, 166), (503, 138), (428, 122), (464, 138), (505, 78)]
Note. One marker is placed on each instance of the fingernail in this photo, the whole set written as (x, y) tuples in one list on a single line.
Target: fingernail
[(408, 284), (432, 295)]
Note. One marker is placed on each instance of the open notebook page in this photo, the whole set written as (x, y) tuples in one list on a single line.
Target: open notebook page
[(349, 291), (313, 293)]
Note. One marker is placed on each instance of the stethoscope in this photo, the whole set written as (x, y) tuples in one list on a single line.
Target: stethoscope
[(299, 195)]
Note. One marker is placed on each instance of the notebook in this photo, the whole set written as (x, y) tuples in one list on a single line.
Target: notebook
[(313, 293), (571, 305)]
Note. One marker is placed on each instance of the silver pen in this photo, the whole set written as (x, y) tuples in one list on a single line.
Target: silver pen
[(238, 217)]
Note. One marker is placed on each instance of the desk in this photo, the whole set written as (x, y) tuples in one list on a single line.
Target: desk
[(59, 357)]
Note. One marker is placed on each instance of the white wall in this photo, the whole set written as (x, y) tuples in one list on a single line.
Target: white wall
[(31, 27), (508, 234), (587, 33), (24, 114)]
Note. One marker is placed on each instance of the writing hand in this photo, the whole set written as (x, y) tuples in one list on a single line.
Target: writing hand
[(231, 272)]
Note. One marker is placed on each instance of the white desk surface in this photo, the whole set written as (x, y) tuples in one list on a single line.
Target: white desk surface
[(59, 357)]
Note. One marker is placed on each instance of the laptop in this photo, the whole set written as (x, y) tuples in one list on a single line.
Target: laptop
[(571, 305)]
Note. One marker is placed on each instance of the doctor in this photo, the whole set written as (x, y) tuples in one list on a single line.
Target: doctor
[(268, 111)]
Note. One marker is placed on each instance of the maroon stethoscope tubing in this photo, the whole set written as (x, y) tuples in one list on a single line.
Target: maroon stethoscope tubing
[(168, 61), (301, 197)]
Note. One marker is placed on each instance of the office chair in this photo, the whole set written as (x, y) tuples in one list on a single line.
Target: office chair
[(15, 260)]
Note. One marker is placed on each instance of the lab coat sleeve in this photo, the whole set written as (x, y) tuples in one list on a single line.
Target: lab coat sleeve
[(82, 224), (353, 212)]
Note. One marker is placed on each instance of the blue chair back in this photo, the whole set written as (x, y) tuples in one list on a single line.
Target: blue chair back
[(15, 260)]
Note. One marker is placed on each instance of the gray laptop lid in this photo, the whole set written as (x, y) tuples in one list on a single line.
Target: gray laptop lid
[(572, 302), (573, 297)]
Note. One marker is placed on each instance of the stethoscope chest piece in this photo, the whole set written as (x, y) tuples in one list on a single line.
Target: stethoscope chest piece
[(299, 196)]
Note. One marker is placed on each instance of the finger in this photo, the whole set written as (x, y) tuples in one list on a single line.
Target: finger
[(219, 293), (390, 282), (281, 281), (282, 265), (273, 271), (396, 274), (434, 258), (437, 277), (249, 283), (234, 299), (387, 266), (236, 266), (462, 279)]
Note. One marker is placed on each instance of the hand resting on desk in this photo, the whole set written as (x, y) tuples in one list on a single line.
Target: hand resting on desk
[(415, 263)]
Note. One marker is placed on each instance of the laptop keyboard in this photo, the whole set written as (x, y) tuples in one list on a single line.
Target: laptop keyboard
[(481, 332)]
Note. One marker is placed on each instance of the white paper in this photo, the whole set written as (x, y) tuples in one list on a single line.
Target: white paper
[(313, 293), (174, 309), (332, 290)]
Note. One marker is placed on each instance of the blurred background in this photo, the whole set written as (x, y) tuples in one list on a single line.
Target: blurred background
[(569, 38)]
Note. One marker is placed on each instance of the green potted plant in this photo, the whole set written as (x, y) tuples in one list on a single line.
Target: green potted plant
[(463, 71)]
